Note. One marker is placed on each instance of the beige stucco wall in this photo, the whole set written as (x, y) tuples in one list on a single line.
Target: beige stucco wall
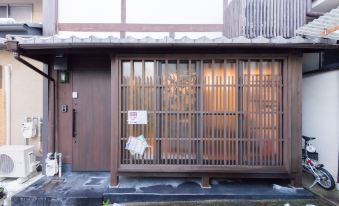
[(37, 7), (26, 95)]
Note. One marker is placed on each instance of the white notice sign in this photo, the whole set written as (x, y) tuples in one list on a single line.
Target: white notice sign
[(137, 117)]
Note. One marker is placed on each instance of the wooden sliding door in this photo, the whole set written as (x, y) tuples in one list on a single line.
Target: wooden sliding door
[(211, 112)]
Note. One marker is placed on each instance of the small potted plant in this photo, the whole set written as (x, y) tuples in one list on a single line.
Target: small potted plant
[(3, 195)]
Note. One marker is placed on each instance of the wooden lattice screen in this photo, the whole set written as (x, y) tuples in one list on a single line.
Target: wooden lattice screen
[(204, 112)]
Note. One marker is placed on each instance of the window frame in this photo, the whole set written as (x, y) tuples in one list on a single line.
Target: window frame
[(9, 5), (249, 57)]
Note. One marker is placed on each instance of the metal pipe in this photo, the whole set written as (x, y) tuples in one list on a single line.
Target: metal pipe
[(39, 135), (51, 79), (309, 12), (60, 164), (8, 71)]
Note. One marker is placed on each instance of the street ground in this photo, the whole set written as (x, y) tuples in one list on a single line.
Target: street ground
[(313, 202), (331, 196), (76, 184)]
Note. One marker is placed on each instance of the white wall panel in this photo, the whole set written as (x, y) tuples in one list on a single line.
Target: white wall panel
[(88, 11), (321, 116), (175, 11)]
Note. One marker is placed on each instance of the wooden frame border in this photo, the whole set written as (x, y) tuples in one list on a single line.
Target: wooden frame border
[(292, 74)]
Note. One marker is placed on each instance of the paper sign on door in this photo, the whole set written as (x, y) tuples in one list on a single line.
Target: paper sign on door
[(137, 117)]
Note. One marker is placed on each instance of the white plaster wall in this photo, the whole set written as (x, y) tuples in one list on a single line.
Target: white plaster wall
[(174, 11), (89, 11), (321, 116), (142, 11)]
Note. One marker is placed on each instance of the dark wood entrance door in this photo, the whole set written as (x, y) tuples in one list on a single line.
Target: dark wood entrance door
[(91, 114)]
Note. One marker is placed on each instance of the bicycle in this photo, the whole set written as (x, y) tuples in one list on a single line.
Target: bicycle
[(321, 176)]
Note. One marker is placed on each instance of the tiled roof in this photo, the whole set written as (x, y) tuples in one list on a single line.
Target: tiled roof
[(317, 26), (110, 41)]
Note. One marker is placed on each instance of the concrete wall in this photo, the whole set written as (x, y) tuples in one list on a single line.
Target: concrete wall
[(26, 95), (321, 116)]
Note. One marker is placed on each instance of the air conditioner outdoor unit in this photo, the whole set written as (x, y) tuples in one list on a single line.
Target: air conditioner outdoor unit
[(17, 161)]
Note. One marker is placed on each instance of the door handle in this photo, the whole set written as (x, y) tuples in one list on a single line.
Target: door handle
[(74, 132)]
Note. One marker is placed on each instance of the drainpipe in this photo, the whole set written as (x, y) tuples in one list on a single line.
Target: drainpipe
[(13, 46), (309, 12), (8, 71), (29, 65)]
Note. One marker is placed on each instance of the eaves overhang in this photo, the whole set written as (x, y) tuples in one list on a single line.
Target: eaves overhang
[(73, 42)]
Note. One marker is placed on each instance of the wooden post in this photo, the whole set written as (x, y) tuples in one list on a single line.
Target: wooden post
[(50, 17), (205, 182), (114, 121), (295, 87)]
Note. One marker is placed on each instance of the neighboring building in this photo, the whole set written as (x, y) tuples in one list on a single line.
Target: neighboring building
[(20, 88), (320, 86), (216, 106)]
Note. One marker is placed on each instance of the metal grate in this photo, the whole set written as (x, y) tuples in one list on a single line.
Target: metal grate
[(6, 164), (209, 112)]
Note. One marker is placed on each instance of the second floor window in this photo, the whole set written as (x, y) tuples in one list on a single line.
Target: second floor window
[(19, 12)]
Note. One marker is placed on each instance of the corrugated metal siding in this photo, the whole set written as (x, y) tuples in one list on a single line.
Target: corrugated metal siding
[(317, 26), (268, 18)]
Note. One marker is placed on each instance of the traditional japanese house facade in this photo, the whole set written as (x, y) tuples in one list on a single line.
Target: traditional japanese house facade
[(217, 105)]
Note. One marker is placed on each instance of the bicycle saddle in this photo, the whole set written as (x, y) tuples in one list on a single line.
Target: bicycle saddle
[(308, 138)]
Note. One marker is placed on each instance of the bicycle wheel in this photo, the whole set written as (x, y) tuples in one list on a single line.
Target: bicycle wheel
[(327, 181)]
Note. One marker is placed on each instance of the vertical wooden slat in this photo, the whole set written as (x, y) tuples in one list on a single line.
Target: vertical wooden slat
[(262, 143), (248, 103), (281, 114), (202, 85), (115, 131), (154, 83), (274, 114), (258, 119), (178, 118), (228, 130), (226, 144), (252, 126), (142, 100), (273, 123), (238, 109)]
